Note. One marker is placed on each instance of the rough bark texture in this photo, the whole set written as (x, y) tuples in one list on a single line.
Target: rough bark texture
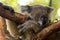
[(46, 32), (16, 17), (2, 29)]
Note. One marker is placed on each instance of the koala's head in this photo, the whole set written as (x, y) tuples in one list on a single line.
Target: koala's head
[(36, 10)]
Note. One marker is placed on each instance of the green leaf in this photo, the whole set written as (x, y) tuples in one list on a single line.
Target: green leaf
[(56, 6), (41, 2)]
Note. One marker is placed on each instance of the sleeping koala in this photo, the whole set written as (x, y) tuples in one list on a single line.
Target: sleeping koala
[(39, 17), (38, 13)]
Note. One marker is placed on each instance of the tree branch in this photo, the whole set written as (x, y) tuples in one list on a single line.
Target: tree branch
[(16, 17), (2, 28), (47, 31)]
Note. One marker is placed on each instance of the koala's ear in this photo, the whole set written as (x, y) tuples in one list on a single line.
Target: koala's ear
[(26, 8), (49, 9), (29, 9), (23, 8), (1, 4)]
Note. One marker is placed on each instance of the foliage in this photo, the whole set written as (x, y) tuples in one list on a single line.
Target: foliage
[(41, 2), (56, 6)]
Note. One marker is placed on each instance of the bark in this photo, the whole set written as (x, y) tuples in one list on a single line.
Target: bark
[(2, 29), (47, 31), (16, 17)]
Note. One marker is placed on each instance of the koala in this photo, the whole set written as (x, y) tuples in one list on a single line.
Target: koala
[(39, 18), (38, 13)]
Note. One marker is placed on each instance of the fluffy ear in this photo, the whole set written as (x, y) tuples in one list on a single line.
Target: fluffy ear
[(49, 9), (29, 9), (23, 8), (26, 8), (1, 4)]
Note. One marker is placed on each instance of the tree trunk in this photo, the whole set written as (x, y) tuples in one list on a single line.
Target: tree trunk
[(2, 29)]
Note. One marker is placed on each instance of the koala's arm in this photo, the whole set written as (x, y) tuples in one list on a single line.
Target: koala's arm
[(29, 25)]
